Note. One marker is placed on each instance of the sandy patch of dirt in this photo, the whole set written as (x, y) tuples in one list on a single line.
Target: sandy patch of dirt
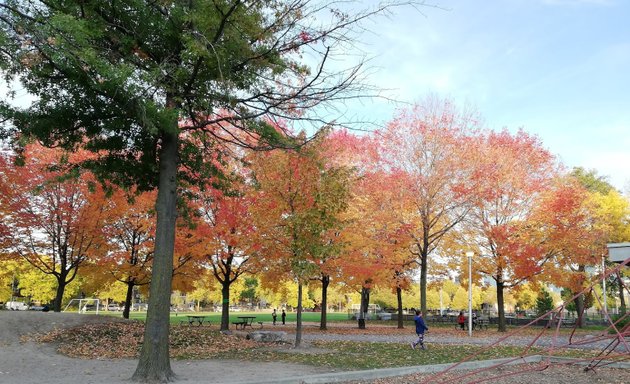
[(27, 362)]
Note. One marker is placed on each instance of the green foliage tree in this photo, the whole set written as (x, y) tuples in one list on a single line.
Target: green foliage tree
[(544, 302), (571, 304), (148, 86)]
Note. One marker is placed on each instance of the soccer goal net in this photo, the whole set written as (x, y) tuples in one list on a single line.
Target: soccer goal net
[(83, 305)]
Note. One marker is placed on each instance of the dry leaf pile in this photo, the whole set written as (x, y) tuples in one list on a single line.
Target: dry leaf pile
[(123, 340)]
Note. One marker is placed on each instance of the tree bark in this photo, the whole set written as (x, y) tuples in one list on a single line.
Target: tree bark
[(579, 308), (128, 299), (324, 312), (622, 299), (501, 305), (225, 304), (298, 327), (423, 276), (365, 301), (154, 363), (61, 287), (400, 308)]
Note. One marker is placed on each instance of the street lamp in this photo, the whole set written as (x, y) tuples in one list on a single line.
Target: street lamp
[(605, 306), (470, 255)]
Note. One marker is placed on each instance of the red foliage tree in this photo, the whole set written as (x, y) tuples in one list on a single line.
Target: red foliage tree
[(515, 171), (52, 221)]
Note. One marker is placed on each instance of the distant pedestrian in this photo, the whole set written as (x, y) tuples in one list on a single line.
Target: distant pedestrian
[(421, 327), (284, 317), (274, 316), (461, 320)]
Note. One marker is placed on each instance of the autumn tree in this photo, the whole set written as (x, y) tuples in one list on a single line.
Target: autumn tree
[(375, 250), (130, 227), (337, 148), (54, 222), (127, 79), (299, 203), (610, 218), (432, 143), (227, 237), (514, 171)]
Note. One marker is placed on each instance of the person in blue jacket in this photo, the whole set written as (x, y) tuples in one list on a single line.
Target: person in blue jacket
[(421, 327)]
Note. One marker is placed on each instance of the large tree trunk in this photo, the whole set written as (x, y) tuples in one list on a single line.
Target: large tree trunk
[(61, 287), (501, 305), (622, 298), (400, 308), (154, 364), (365, 301), (579, 301), (423, 278), (298, 327), (128, 298), (225, 304), (325, 283), (579, 307)]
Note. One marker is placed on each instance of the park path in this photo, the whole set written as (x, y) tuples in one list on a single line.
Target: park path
[(486, 337)]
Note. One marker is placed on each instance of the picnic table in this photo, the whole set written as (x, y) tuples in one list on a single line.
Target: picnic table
[(245, 321), (195, 319)]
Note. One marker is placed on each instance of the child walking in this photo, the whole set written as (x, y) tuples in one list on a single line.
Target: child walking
[(421, 327)]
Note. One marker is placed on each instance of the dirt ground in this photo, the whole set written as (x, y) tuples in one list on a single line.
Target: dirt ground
[(29, 362), (32, 363)]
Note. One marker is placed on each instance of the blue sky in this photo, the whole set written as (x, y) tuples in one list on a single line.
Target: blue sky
[(560, 69)]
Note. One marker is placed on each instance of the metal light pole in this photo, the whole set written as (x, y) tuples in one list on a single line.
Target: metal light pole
[(604, 284), (470, 255)]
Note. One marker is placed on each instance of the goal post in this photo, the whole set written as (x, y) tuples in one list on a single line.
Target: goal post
[(82, 305)]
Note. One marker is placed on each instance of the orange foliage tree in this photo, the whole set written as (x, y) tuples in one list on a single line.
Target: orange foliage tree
[(226, 237), (433, 146), (53, 222), (376, 243), (575, 235), (515, 172), (130, 226)]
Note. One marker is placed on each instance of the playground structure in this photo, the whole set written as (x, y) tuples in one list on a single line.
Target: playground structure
[(612, 342)]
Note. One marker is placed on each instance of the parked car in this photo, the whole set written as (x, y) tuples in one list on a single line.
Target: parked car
[(16, 306), (140, 307), (113, 307), (43, 308)]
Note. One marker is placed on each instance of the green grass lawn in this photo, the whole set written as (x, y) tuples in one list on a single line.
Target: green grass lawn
[(350, 355), (215, 317)]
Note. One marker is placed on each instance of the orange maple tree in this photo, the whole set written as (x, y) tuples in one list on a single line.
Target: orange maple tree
[(515, 171), (432, 145), (130, 227), (226, 237), (52, 219)]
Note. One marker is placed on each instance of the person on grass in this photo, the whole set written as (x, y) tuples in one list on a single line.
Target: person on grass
[(421, 327)]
